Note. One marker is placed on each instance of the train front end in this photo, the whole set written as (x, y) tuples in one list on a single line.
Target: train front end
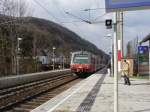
[(80, 63)]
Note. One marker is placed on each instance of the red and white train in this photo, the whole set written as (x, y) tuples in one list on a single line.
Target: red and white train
[(83, 62)]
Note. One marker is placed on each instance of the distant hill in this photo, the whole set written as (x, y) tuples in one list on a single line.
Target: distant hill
[(44, 34), (50, 34)]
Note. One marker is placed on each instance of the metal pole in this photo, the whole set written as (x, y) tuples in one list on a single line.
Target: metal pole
[(89, 15), (137, 57), (53, 60), (112, 59), (111, 70), (63, 62), (119, 40), (121, 34), (17, 56), (115, 63), (149, 59)]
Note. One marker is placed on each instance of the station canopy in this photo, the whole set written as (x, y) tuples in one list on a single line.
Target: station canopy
[(147, 38)]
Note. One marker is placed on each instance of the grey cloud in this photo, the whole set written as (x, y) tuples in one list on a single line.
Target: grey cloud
[(137, 18), (136, 22)]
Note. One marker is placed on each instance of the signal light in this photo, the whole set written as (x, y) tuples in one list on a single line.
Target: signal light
[(108, 23)]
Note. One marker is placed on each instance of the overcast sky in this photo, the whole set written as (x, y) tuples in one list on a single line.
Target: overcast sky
[(136, 23)]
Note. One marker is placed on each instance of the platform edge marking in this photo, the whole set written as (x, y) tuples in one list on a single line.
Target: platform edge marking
[(66, 98)]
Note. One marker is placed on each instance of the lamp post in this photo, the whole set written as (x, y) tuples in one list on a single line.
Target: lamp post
[(63, 66), (18, 51), (54, 58), (62, 62), (111, 53), (149, 59)]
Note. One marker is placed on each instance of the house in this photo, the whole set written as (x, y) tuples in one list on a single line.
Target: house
[(43, 57)]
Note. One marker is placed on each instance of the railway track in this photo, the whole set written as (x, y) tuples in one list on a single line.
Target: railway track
[(26, 97)]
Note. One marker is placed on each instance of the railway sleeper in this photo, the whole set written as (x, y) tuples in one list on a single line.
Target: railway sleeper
[(27, 106), (18, 109), (33, 103)]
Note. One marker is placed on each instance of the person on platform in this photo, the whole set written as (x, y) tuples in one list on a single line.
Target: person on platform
[(125, 71), (109, 69)]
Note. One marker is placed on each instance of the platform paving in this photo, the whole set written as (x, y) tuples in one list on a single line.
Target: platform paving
[(95, 94)]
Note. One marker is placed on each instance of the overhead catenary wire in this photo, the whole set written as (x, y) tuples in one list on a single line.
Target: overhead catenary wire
[(100, 16), (73, 22), (47, 11), (61, 9), (62, 12), (82, 20), (87, 21), (99, 8), (64, 22), (96, 17)]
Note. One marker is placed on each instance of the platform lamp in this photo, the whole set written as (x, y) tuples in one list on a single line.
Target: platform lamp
[(54, 48), (111, 53), (18, 51)]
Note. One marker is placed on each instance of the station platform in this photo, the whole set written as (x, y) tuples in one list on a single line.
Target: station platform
[(95, 94)]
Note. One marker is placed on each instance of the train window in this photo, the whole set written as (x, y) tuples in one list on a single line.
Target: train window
[(81, 59)]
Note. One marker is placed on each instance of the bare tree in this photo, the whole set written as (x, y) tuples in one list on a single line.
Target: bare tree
[(11, 12)]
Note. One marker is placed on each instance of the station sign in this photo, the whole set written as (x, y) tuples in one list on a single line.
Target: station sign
[(126, 5), (143, 53)]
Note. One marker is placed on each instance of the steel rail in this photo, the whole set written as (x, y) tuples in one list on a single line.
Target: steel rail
[(26, 92)]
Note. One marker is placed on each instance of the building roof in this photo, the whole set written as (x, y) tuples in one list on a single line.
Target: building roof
[(145, 39)]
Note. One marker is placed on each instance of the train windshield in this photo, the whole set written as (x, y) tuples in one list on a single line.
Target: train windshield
[(81, 59)]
